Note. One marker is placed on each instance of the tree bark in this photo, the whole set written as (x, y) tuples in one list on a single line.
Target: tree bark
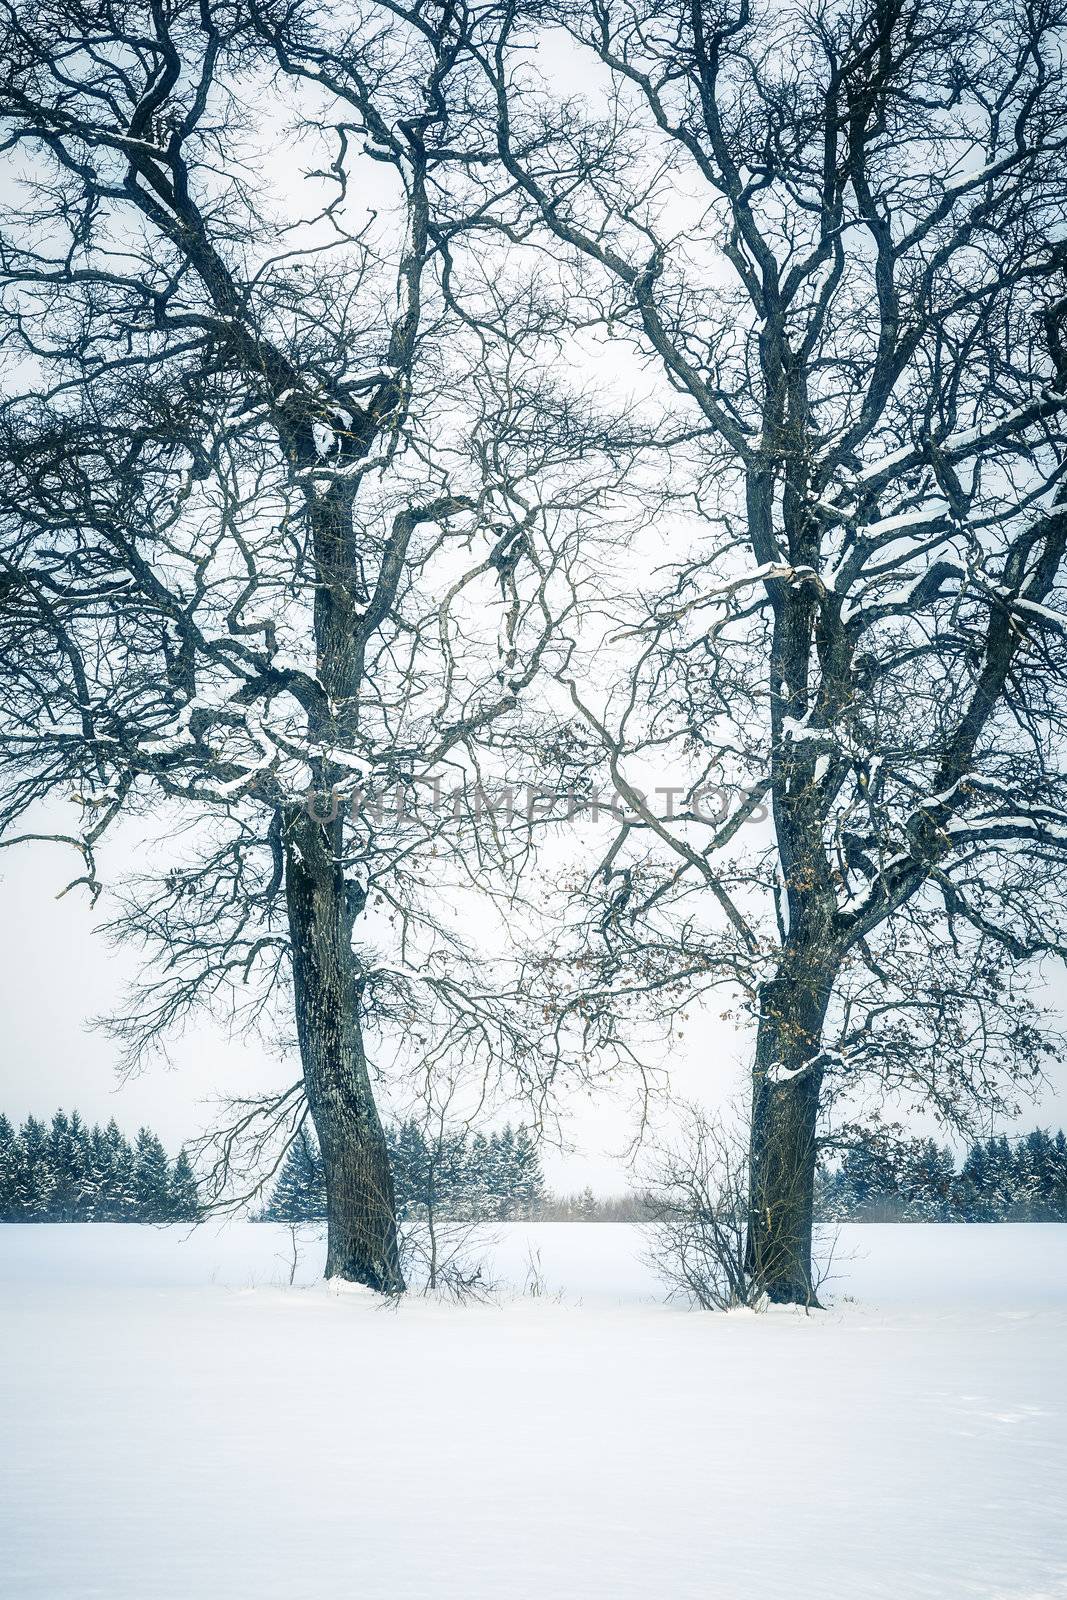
[(786, 1084), (360, 1202)]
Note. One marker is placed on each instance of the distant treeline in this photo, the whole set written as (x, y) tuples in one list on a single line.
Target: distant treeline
[(65, 1171), (585, 1206), (886, 1179), (457, 1175), (1000, 1180)]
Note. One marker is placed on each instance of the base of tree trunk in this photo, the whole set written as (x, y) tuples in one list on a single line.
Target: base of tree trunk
[(360, 1201), (793, 1292), (783, 1154), (379, 1270), (361, 1231)]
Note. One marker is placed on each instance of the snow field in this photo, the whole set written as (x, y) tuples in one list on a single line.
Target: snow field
[(180, 1423)]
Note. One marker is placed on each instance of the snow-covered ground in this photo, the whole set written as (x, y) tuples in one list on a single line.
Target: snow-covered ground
[(179, 1423)]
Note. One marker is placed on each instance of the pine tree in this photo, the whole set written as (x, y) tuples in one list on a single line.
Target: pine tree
[(184, 1204), (81, 1177), (868, 1183), (499, 1176), (9, 1170), (300, 1192), (1034, 1172), (926, 1177), (409, 1161), (1001, 1164), (151, 1179), (119, 1202), (945, 1178), (1058, 1178), (1025, 1185), (63, 1180), (528, 1182), (974, 1186), (98, 1174), (505, 1172), (32, 1173), (450, 1166), (462, 1178), (479, 1177)]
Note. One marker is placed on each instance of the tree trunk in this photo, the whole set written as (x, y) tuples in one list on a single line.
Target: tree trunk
[(786, 1084), (360, 1204)]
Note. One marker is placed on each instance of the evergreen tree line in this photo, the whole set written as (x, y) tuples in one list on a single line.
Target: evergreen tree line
[(885, 1180), (457, 1175), (65, 1171), (583, 1205)]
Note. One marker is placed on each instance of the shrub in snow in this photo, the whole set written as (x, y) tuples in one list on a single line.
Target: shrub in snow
[(696, 1193)]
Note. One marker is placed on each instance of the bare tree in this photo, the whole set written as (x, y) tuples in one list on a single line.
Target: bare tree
[(696, 1199), (284, 538), (836, 230)]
